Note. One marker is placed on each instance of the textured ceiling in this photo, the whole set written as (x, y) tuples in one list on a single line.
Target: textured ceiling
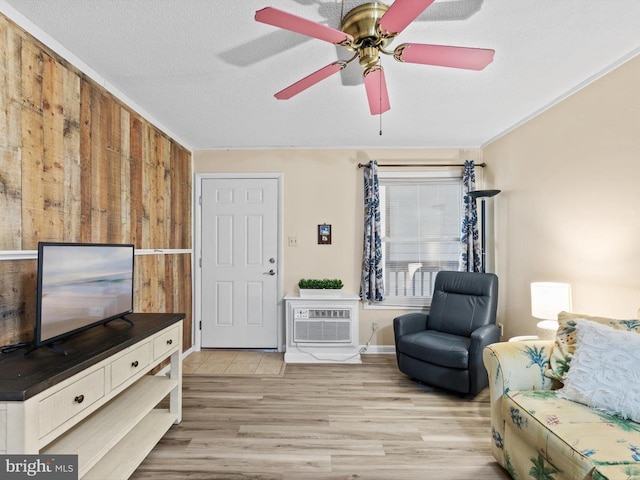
[(206, 72)]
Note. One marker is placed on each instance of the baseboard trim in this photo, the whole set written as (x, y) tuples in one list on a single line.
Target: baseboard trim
[(385, 349)]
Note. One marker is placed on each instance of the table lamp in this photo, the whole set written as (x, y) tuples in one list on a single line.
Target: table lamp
[(547, 300)]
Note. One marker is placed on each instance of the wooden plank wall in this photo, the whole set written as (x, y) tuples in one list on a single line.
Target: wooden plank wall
[(77, 165)]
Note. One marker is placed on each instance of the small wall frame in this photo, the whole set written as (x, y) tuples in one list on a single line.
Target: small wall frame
[(324, 234)]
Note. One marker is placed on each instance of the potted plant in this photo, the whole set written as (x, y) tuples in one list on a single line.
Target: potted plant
[(326, 287)]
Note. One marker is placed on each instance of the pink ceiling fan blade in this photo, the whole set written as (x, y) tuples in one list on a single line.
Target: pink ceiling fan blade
[(444, 55), (401, 13), (310, 80), (376, 87), (294, 23)]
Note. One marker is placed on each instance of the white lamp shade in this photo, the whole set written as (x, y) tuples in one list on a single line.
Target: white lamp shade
[(550, 298)]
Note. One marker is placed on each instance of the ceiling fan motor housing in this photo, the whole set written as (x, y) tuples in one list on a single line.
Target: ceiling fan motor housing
[(361, 23)]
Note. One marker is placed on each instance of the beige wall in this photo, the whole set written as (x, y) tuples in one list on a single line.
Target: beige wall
[(324, 186), (570, 203), (569, 208)]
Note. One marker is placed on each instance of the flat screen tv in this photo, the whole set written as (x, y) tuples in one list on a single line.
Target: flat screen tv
[(81, 285)]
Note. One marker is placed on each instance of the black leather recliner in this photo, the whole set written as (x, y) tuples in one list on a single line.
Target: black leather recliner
[(444, 347)]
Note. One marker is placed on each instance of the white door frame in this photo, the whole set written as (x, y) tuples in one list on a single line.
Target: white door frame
[(197, 290)]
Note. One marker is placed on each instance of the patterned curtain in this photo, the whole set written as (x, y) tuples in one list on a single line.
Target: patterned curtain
[(372, 285), (470, 260)]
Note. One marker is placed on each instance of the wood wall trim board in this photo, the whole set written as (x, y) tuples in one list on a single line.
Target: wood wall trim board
[(33, 254)]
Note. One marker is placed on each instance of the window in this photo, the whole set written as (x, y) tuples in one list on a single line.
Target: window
[(421, 219)]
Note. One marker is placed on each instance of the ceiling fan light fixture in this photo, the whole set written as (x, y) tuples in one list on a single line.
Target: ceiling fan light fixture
[(369, 56)]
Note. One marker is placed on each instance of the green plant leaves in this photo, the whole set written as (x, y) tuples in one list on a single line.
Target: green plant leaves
[(325, 283)]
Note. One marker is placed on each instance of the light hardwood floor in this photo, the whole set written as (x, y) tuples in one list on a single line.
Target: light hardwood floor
[(325, 422)]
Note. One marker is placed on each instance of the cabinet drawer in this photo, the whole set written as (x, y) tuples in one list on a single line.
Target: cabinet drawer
[(71, 400), (130, 364), (165, 342)]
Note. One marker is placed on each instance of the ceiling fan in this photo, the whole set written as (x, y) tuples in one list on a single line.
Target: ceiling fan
[(367, 30)]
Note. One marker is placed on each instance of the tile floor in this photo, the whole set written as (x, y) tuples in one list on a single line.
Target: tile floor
[(233, 362)]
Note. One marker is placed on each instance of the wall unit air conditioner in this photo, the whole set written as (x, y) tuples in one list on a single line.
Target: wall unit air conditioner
[(322, 325), (322, 329)]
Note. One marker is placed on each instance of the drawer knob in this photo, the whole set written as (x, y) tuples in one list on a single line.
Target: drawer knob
[(79, 399), (169, 342), (134, 364)]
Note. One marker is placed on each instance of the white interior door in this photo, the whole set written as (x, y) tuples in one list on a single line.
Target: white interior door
[(239, 247)]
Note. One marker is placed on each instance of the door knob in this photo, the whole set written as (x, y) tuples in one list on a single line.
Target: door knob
[(270, 272)]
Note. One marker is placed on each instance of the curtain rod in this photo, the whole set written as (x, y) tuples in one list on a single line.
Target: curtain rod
[(366, 165)]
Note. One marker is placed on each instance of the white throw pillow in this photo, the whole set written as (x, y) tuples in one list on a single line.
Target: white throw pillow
[(605, 370)]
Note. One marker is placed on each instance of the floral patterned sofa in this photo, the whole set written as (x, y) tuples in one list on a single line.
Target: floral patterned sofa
[(536, 433)]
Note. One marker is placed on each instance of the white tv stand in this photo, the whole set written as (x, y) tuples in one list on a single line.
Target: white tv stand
[(98, 401)]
